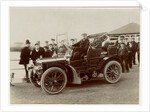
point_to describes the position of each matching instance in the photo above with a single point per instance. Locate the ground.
(126, 91)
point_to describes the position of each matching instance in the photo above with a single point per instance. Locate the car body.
(53, 74)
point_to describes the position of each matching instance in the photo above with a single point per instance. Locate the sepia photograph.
(74, 55)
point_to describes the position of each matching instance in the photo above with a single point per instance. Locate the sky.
(44, 23)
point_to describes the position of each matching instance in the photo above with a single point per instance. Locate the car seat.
(92, 52)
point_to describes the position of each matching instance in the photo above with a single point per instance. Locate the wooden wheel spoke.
(60, 78)
(109, 69)
(48, 85)
(59, 75)
(112, 72)
(53, 80)
(58, 85)
(48, 79)
(55, 74)
(108, 72)
(52, 74)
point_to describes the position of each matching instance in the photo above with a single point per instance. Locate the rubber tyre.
(49, 71)
(119, 71)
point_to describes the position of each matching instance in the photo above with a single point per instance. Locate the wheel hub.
(55, 81)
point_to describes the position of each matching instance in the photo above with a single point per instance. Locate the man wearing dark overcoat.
(24, 58)
(134, 45)
(138, 48)
(130, 51)
(80, 48)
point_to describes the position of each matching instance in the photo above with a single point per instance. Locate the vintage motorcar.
(53, 74)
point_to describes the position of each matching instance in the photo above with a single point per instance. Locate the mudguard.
(104, 61)
(75, 76)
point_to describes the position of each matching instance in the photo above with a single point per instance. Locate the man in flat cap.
(46, 43)
(70, 47)
(138, 48)
(24, 58)
(80, 48)
(127, 40)
(53, 41)
(120, 41)
(55, 51)
(47, 53)
(72, 41)
(123, 54)
(51, 49)
(134, 45)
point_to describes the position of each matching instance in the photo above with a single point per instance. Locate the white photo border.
(144, 67)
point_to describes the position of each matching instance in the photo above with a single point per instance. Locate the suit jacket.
(134, 45)
(48, 53)
(123, 51)
(138, 47)
(25, 55)
(36, 54)
(97, 43)
(42, 51)
(82, 46)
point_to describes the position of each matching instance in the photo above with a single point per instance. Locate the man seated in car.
(99, 44)
(80, 48)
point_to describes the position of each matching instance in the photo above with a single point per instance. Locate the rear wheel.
(53, 80)
(112, 72)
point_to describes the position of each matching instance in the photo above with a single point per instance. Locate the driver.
(80, 48)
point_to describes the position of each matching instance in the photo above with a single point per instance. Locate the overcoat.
(36, 54)
(82, 46)
(48, 54)
(25, 55)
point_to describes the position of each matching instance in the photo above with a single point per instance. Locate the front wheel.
(53, 80)
(112, 72)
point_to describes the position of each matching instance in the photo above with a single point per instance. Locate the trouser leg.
(139, 57)
(130, 60)
(126, 63)
(134, 57)
(122, 64)
(26, 71)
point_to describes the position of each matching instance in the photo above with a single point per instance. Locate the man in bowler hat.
(24, 58)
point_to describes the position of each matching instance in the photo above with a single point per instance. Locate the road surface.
(126, 91)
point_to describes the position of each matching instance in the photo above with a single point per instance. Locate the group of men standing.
(127, 51)
(38, 52)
